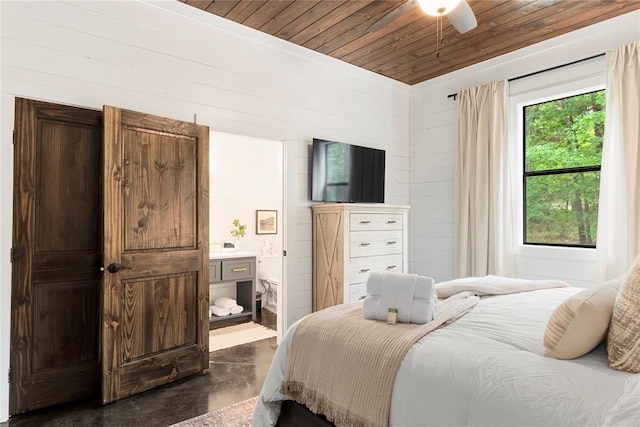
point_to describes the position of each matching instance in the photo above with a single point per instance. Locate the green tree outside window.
(563, 151)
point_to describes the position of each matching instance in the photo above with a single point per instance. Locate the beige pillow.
(580, 323)
(624, 334)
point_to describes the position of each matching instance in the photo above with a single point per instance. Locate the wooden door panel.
(161, 191)
(160, 314)
(329, 264)
(139, 264)
(65, 334)
(156, 293)
(82, 266)
(63, 148)
(161, 369)
(54, 355)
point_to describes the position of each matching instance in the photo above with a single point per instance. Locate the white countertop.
(225, 255)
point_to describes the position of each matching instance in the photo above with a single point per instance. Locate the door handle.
(115, 267)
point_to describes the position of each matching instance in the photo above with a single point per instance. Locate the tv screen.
(347, 173)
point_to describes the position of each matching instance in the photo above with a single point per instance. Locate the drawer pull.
(365, 244)
(391, 243)
(392, 221)
(364, 270)
(362, 297)
(237, 270)
(391, 267)
(365, 222)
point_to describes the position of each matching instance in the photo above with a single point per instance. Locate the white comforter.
(487, 369)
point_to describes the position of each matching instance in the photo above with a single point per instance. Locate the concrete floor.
(235, 374)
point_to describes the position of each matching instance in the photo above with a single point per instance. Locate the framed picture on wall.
(266, 222)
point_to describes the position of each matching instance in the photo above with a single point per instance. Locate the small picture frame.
(266, 222)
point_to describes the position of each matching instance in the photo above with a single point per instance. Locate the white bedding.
(487, 369)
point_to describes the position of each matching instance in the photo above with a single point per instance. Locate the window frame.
(559, 171)
(557, 84)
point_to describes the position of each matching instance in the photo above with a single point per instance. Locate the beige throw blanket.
(344, 366)
(494, 285)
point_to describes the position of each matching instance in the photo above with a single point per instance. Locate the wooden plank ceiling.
(397, 39)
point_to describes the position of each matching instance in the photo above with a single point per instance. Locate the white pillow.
(581, 322)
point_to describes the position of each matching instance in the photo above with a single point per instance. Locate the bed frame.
(293, 414)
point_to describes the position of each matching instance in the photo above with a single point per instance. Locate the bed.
(487, 368)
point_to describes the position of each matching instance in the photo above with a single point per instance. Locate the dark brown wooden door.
(156, 292)
(55, 285)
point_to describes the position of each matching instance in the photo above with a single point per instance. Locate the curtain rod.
(454, 95)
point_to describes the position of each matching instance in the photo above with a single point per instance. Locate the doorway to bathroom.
(246, 221)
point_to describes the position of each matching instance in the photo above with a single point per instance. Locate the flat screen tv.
(345, 173)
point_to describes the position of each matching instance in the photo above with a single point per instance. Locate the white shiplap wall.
(433, 138)
(169, 59)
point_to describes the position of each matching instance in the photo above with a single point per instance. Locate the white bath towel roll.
(413, 296)
(225, 302)
(219, 311)
(370, 307)
(397, 292)
(374, 283)
(237, 309)
(425, 303)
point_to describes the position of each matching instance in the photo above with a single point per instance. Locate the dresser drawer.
(375, 221)
(359, 268)
(370, 243)
(237, 270)
(215, 271)
(357, 292)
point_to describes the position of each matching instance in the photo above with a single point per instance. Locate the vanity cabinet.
(349, 242)
(239, 268)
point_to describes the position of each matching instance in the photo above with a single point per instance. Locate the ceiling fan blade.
(462, 17)
(392, 16)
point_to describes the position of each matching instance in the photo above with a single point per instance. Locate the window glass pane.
(562, 208)
(564, 133)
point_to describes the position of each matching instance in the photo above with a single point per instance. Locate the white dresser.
(350, 241)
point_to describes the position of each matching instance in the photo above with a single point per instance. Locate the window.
(561, 174)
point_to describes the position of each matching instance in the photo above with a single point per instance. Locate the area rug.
(243, 333)
(236, 415)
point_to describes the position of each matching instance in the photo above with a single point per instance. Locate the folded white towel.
(219, 311)
(425, 303)
(374, 282)
(237, 309)
(397, 292)
(225, 302)
(412, 295)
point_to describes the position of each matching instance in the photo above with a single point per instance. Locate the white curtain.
(619, 207)
(483, 203)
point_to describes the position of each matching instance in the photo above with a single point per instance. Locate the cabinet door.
(328, 237)
(215, 271)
